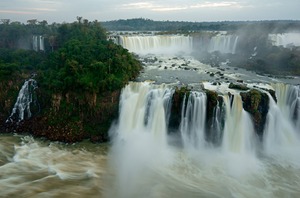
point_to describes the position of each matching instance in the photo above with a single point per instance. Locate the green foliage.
(78, 81)
(141, 24)
(12, 62)
(88, 62)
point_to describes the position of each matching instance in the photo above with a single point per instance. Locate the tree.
(5, 21)
(43, 23)
(32, 21)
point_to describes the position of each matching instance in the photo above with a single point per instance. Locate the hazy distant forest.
(141, 24)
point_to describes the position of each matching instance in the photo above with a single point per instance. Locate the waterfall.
(35, 43)
(42, 46)
(192, 125)
(216, 127)
(140, 136)
(288, 99)
(281, 135)
(285, 39)
(144, 109)
(223, 43)
(239, 135)
(38, 43)
(164, 44)
(21, 109)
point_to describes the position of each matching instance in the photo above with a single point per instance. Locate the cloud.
(42, 9)
(232, 4)
(188, 10)
(139, 5)
(17, 12)
(164, 9)
(152, 6)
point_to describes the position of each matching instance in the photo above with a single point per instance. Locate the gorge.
(191, 124)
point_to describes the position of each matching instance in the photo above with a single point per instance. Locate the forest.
(79, 73)
(142, 24)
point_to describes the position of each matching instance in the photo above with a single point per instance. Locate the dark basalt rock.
(257, 104)
(177, 103)
(213, 99)
(242, 87)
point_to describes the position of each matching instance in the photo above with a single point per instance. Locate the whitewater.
(146, 158)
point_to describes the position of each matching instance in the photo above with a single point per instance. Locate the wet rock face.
(213, 99)
(239, 86)
(177, 103)
(72, 119)
(257, 104)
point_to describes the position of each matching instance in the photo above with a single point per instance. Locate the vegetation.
(141, 24)
(80, 74)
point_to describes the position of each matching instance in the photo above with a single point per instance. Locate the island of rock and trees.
(80, 72)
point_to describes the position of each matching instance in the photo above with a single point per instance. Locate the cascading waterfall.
(165, 44)
(216, 127)
(281, 135)
(140, 137)
(21, 109)
(144, 109)
(288, 97)
(223, 43)
(239, 135)
(192, 125)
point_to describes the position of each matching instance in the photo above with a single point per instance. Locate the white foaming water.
(223, 43)
(144, 109)
(142, 167)
(159, 44)
(140, 137)
(33, 168)
(239, 135)
(239, 140)
(193, 119)
(285, 39)
(282, 131)
(288, 98)
(143, 162)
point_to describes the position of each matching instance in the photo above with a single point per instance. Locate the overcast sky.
(178, 10)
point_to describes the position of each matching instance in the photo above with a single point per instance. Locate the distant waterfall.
(164, 44)
(38, 43)
(285, 39)
(239, 134)
(223, 43)
(21, 109)
(35, 43)
(192, 125)
(42, 46)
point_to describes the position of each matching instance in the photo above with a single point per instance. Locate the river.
(145, 160)
(37, 168)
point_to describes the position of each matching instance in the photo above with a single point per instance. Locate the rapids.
(146, 159)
